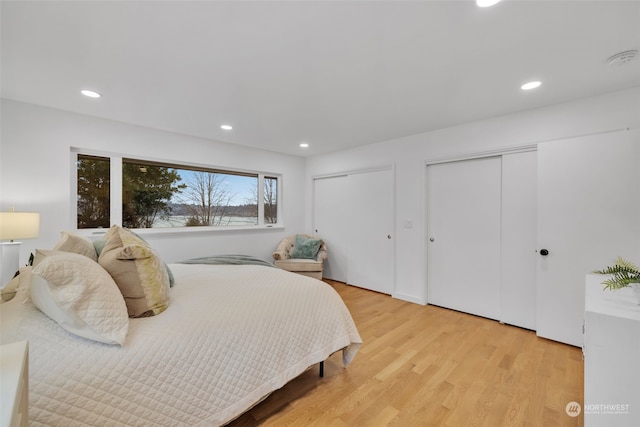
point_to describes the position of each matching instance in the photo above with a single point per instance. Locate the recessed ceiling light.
(304, 145)
(486, 3)
(226, 127)
(90, 93)
(530, 85)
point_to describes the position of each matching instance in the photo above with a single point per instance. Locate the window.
(93, 191)
(270, 200)
(164, 195)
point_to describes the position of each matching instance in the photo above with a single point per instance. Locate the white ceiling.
(335, 74)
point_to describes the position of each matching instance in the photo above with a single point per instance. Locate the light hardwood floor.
(430, 366)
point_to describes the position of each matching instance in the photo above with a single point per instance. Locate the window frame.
(115, 195)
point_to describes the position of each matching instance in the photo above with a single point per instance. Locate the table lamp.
(15, 225)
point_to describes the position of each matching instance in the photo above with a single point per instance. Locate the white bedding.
(231, 335)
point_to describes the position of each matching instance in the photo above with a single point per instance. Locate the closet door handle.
(544, 252)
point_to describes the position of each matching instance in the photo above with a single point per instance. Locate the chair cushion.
(305, 247)
(300, 265)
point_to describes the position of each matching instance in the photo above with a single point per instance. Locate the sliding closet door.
(370, 231)
(463, 223)
(331, 222)
(518, 240)
(353, 213)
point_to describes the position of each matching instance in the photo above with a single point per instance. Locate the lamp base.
(9, 261)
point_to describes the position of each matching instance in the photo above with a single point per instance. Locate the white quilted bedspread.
(231, 335)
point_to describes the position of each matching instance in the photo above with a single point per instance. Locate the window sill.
(183, 231)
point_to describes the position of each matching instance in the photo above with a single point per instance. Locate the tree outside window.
(146, 193)
(270, 200)
(211, 199)
(94, 187)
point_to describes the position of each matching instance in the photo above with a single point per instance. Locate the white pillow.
(81, 297)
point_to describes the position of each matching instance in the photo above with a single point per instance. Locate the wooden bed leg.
(322, 369)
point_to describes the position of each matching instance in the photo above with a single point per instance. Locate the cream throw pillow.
(80, 296)
(41, 254)
(10, 289)
(70, 242)
(137, 270)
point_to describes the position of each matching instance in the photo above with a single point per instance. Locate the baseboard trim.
(409, 298)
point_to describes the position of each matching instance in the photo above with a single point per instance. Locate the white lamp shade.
(19, 225)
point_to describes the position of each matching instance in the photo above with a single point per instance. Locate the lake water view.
(226, 221)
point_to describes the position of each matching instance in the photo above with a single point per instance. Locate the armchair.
(311, 267)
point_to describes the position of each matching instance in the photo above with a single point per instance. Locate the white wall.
(410, 154)
(35, 173)
(35, 170)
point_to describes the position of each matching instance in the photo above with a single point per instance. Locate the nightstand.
(14, 370)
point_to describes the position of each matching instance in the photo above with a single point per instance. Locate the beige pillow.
(70, 242)
(10, 289)
(41, 254)
(80, 296)
(137, 270)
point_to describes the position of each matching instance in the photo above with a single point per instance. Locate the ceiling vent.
(622, 58)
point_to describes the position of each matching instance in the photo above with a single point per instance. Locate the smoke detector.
(622, 58)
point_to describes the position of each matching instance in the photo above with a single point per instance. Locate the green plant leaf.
(623, 273)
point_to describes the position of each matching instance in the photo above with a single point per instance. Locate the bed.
(230, 336)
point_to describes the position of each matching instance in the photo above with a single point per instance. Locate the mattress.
(232, 334)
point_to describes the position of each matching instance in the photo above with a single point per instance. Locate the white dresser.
(611, 356)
